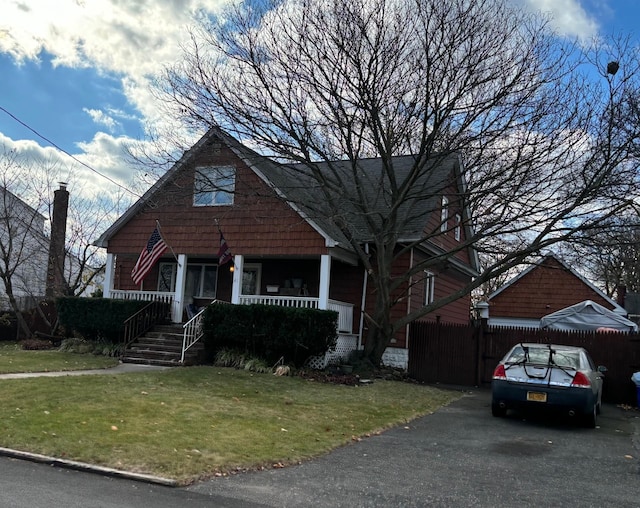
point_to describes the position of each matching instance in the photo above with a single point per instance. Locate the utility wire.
(67, 153)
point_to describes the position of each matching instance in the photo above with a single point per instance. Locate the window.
(200, 279)
(167, 277)
(251, 276)
(457, 231)
(444, 214)
(429, 287)
(214, 186)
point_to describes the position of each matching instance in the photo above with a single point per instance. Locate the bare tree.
(536, 120)
(23, 250)
(611, 255)
(88, 217)
(26, 211)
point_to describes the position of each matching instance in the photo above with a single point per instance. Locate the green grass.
(193, 422)
(14, 359)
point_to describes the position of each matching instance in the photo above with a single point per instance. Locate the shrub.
(269, 332)
(8, 326)
(96, 318)
(240, 360)
(83, 346)
(36, 344)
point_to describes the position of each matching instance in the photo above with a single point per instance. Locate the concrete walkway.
(121, 368)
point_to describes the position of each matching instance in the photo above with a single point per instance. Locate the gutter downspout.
(363, 301)
(406, 331)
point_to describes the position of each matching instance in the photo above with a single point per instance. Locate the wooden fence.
(467, 355)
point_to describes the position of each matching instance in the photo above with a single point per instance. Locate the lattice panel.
(344, 346)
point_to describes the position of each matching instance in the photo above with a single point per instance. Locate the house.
(544, 287)
(288, 248)
(25, 250)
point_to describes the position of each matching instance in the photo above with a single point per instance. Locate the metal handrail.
(192, 330)
(143, 320)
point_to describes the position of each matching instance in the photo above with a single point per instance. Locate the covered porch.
(289, 283)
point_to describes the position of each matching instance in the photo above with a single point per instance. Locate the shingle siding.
(258, 222)
(546, 288)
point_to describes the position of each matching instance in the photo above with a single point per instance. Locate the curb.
(88, 468)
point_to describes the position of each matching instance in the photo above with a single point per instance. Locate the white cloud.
(107, 169)
(101, 118)
(568, 17)
(132, 38)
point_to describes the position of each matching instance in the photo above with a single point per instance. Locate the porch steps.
(162, 345)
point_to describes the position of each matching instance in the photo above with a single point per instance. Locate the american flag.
(148, 257)
(224, 253)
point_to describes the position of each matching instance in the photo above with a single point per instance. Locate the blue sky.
(77, 71)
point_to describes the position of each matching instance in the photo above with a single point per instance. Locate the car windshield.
(540, 355)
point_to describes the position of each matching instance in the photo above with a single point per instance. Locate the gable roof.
(552, 261)
(294, 184)
(300, 187)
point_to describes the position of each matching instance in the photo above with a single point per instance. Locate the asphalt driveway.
(462, 456)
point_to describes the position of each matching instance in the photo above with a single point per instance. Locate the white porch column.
(236, 288)
(325, 278)
(109, 273)
(178, 299)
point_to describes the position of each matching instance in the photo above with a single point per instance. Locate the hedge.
(269, 332)
(96, 318)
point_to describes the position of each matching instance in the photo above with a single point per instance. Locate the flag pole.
(170, 248)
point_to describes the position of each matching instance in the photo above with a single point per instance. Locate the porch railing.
(140, 322)
(344, 310)
(149, 296)
(345, 315)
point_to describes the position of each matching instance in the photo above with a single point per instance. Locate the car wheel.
(590, 418)
(498, 411)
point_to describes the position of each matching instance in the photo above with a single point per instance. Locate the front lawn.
(193, 422)
(14, 359)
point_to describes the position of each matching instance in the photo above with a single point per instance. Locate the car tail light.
(581, 381)
(499, 373)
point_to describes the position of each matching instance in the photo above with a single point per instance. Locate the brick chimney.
(622, 293)
(55, 268)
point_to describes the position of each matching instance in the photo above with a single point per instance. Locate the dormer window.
(444, 214)
(214, 186)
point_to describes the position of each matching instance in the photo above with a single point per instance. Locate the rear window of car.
(544, 356)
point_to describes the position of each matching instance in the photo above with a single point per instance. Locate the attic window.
(214, 186)
(444, 214)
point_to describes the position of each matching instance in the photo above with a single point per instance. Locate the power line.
(67, 153)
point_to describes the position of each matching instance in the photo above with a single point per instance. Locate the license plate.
(537, 396)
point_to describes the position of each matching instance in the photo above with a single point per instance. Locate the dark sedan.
(548, 377)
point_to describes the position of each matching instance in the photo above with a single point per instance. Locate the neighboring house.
(285, 253)
(25, 250)
(543, 288)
